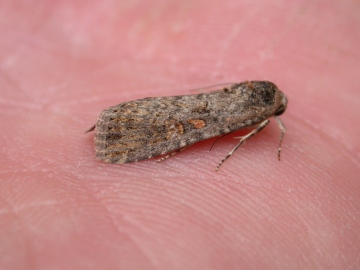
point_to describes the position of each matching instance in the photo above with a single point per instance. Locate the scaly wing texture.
(149, 127)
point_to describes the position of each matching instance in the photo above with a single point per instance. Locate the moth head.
(281, 109)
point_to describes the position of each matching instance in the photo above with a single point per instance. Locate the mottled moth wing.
(145, 128)
(150, 127)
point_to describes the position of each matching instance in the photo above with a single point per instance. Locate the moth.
(146, 128)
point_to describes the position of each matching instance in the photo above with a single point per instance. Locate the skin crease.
(62, 62)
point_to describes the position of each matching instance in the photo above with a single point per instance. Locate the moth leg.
(260, 127)
(172, 154)
(283, 129)
(240, 137)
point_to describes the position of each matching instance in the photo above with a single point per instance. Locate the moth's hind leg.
(172, 154)
(243, 139)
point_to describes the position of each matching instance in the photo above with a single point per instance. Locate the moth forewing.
(149, 127)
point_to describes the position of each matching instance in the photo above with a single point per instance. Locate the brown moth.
(149, 127)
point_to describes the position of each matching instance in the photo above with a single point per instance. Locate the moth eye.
(282, 107)
(280, 110)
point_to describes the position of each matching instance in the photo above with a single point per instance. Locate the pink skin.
(62, 62)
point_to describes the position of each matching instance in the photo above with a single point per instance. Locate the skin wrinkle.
(26, 235)
(228, 203)
(137, 242)
(100, 203)
(149, 233)
(192, 206)
(114, 223)
(324, 134)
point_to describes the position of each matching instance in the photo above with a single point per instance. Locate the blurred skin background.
(62, 62)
